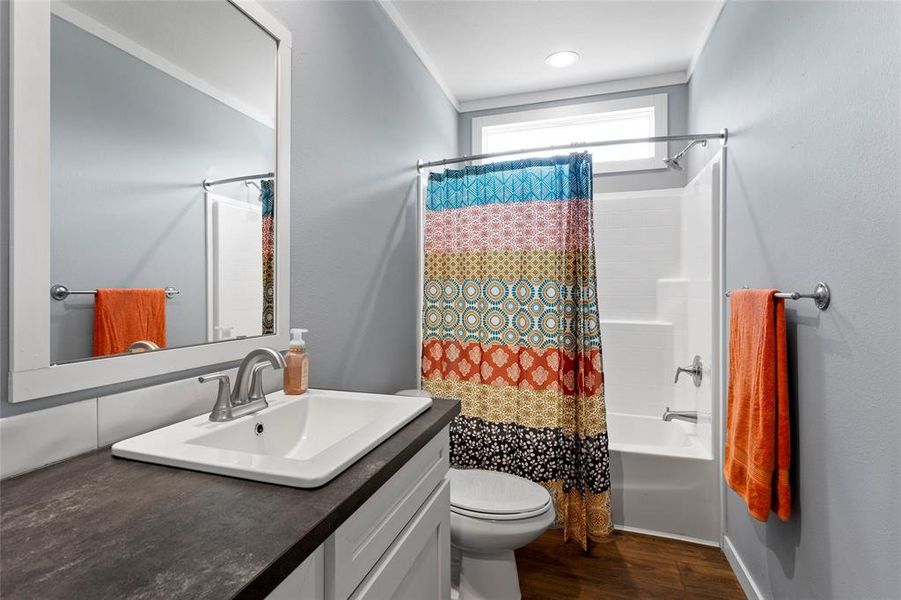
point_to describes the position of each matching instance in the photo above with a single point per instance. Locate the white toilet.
(492, 514)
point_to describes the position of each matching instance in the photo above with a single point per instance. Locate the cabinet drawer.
(358, 544)
(417, 565)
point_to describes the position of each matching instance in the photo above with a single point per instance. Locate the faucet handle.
(256, 382)
(696, 370)
(214, 377)
(222, 410)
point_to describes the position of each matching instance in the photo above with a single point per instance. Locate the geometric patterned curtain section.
(511, 328)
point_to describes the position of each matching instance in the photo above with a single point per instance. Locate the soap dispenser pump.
(297, 363)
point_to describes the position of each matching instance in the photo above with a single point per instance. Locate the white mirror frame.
(31, 374)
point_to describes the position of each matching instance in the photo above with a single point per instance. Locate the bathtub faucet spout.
(680, 415)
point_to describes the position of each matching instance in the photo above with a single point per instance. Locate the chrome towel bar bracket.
(821, 296)
(61, 292)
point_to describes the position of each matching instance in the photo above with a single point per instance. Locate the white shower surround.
(658, 285)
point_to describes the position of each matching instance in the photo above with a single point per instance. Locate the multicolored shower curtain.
(267, 199)
(510, 328)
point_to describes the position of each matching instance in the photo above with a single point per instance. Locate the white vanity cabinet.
(396, 545)
(305, 582)
(417, 564)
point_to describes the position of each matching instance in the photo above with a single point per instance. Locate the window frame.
(659, 102)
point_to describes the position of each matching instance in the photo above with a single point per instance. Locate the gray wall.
(129, 146)
(677, 118)
(4, 204)
(810, 93)
(364, 110)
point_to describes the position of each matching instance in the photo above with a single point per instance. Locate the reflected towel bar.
(61, 292)
(821, 295)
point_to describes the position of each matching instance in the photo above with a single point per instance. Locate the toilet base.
(490, 576)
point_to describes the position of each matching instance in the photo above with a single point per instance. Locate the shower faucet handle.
(696, 370)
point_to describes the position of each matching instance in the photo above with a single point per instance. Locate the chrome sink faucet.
(247, 396)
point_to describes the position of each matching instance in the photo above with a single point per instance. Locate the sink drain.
(258, 429)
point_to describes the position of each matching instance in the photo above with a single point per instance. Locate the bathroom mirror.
(149, 189)
(140, 115)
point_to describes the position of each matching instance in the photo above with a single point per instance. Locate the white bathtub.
(652, 435)
(663, 477)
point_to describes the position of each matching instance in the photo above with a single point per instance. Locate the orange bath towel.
(758, 448)
(125, 316)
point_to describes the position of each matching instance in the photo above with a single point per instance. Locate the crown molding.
(708, 29)
(417, 47)
(90, 25)
(578, 91)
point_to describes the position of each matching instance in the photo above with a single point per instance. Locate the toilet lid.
(494, 493)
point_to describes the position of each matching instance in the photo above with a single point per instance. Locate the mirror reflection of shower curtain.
(267, 199)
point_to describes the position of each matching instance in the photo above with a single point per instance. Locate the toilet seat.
(496, 496)
(473, 514)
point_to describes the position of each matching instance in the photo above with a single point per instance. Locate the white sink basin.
(305, 441)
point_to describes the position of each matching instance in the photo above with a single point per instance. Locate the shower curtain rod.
(722, 135)
(207, 184)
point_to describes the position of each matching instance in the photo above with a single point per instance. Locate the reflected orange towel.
(758, 448)
(125, 316)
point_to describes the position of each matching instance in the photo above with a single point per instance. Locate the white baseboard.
(748, 585)
(663, 534)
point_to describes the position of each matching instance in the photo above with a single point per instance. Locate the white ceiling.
(212, 43)
(489, 48)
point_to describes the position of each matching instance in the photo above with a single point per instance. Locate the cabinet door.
(417, 565)
(363, 539)
(304, 583)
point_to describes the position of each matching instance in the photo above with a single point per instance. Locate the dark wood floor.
(629, 565)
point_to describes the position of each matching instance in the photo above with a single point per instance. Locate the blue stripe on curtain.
(525, 180)
(267, 197)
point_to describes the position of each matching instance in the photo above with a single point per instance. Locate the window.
(639, 117)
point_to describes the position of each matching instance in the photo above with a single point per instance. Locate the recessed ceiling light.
(562, 59)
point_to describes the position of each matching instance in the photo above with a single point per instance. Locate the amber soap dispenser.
(297, 372)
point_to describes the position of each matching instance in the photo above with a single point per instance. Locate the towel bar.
(61, 292)
(821, 295)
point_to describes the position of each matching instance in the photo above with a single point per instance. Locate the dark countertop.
(99, 527)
